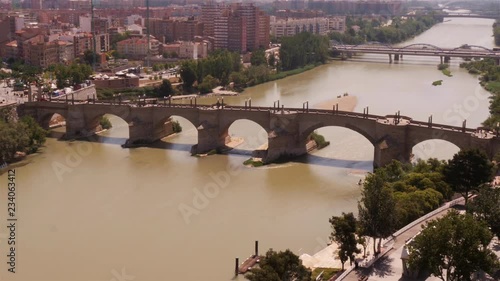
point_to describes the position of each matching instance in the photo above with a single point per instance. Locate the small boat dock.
(249, 263)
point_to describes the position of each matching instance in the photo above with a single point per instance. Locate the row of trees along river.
(395, 31)
(489, 78)
(18, 137)
(397, 194)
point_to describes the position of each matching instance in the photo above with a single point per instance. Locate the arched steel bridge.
(418, 49)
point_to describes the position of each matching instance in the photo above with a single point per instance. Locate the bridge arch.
(250, 134)
(118, 133)
(346, 146)
(422, 46)
(171, 124)
(308, 131)
(46, 117)
(375, 43)
(474, 46)
(439, 148)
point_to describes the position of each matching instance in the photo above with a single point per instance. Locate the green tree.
(165, 89)
(280, 266)
(486, 207)
(376, 213)
(12, 139)
(88, 57)
(455, 242)
(35, 133)
(188, 74)
(71, 75)
(303, 49)
(343, 233)
(23, 136)
(105, 123)
(272, 60)
(258, 57)
(238, 78)
(467, 171)
(208, 84)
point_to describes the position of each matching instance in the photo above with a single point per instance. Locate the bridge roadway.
(460, 15)
(445, 54)
(288, 129)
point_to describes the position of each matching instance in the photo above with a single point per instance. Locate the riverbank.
(489, 79)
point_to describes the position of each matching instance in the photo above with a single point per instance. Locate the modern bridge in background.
(419, 49)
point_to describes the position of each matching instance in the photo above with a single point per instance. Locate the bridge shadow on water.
(334, 162)
(316, 160)
(243, 153)
(121, 141)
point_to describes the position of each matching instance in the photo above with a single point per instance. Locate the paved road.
(390, 266)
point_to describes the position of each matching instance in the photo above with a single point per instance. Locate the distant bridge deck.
(461, 15)
(464, 51)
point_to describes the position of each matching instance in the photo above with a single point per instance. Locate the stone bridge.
(288, 129)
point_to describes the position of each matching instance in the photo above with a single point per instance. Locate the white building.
(135, 19)
(290, 27)
(319, 25)
(188, 50)
(135, 29)
(85, 23)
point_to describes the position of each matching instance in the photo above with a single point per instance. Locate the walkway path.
(389, 266)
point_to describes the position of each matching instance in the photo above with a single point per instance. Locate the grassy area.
(283, 74)
(437, 83)
(444, 67)
(253, 163)
(320, 140)
(493, 86)
(447, 72)
(211, 152)
(327, 273)
(105, 123)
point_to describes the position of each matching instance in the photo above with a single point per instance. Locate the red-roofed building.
(137, 48)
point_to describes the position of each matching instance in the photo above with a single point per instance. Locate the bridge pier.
(390, 58)
(77, 125)
(210, 136)
(447, 59)
(284, 139)
(441, 59)
(284, 147)
(391, 148)
(396, 57)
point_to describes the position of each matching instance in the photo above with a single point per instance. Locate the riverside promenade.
(388, 265)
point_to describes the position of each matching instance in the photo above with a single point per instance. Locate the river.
(91, 210)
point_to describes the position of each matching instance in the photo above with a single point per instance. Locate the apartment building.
(236, 23)
(290, 27)
(39, 53)
(317, 25)
(209, 12)
(137, 48)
